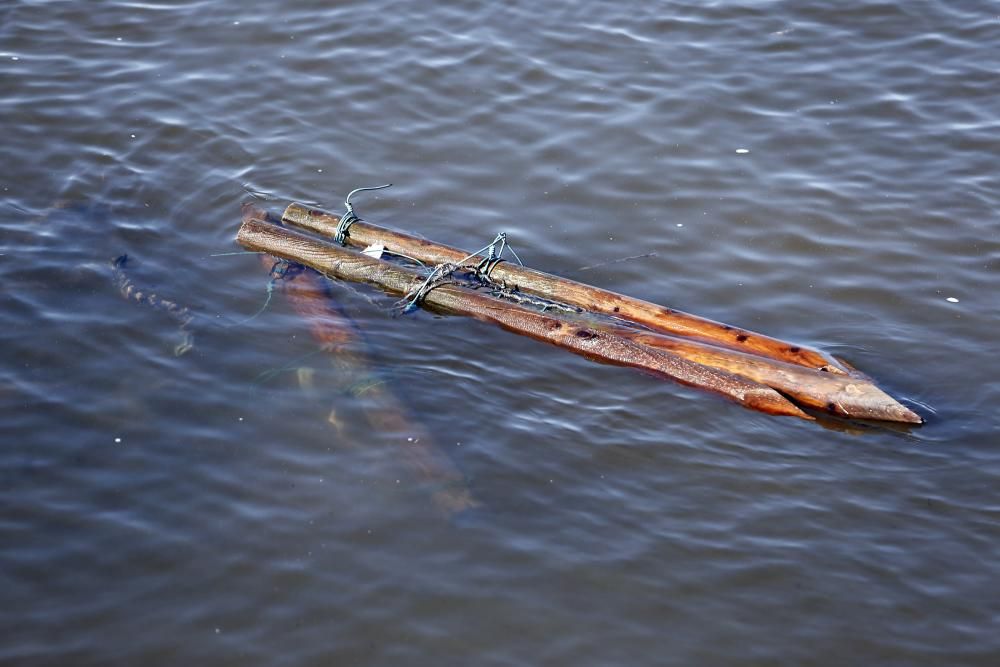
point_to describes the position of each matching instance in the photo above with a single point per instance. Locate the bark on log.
(339, 338)
(659, 318)
(849, 396)
(338, 262)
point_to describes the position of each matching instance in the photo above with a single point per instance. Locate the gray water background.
(819, 171)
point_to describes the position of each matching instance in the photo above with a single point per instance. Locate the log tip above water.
(864, 400)
(888, 409)
(898, 412)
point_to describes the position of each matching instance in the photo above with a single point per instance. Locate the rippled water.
(824, 174)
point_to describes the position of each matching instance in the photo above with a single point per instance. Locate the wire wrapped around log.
(851, 396)
(594, 299)
(256, 234)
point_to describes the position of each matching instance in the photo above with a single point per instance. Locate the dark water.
(821, 173)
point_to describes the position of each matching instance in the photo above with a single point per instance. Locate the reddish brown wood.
(593, 299)
(337, 335)
(332, 260)
(850, 396)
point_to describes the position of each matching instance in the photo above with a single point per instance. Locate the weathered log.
(338, 262)
(851, 396)
(337, 335)
(593, 299)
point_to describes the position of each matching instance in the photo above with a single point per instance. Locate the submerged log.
(593, 299)
(339, 338)
(257, 234)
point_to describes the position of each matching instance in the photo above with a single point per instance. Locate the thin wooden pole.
(594, 299)
(332, 260)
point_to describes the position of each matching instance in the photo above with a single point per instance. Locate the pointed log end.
(901, 413)
(771, 402)
(864, 400)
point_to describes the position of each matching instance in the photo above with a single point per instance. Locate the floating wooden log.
(593, 299)
(257, 234)
(852, 396)
(337, 335)
(842, 391)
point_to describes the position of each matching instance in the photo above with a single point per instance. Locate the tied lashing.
(443, 274)
(350, 217)
(515, 295)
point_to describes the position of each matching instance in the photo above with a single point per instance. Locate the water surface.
(821, 175)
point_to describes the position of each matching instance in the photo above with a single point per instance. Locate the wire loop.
(350, 217)
(442, 273)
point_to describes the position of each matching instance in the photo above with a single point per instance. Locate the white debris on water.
(118, 439)
(951, 299)
(742, 151)
(680, 224)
